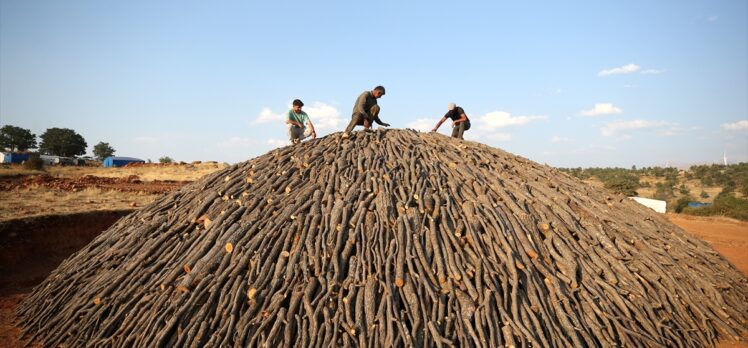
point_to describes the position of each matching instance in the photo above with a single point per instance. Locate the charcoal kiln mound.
(390, 238)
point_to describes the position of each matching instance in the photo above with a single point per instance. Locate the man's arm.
(378, 121)
(297, 124)
(292, 122)
(462, 118)
(311, 126)
(439, 124)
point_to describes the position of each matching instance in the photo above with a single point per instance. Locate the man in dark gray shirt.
(366, 111)
(460, 121)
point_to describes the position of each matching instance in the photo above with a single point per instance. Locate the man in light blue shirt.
(297, 122)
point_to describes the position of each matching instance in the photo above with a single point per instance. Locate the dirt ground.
(727, 236)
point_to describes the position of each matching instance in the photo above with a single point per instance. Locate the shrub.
(165, 159)
(704, 194)
(684, 190)
(682, 203)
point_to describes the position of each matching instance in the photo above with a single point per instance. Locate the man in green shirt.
(297, 122)
(366, 111)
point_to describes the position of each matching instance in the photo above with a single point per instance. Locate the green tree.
(102, 150)
(62, 142)
(165, 159)
(16, 138)
(664, 192)
(624, 184)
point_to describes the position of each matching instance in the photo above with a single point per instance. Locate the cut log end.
(251, 293)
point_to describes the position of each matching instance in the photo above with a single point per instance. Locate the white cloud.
(558, 139)
(614, 127)
(422, 124)
(625, 137)
(323, 116)
(626, 69)
(500, 137)
(712, 18)
(673, 131)
(602, 109)
(238, 143)
(277, 142)
(651, 72)
(267, 115)
(740, 125)
(499, 119)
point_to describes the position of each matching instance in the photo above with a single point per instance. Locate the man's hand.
(314, 135)
(433, 130)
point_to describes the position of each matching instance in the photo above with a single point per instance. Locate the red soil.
(131, 183)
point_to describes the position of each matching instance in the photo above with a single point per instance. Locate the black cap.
(379, 88)
(297, 102)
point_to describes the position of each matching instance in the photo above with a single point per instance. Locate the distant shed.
(50, 160)
(14, 157)
(112, 161)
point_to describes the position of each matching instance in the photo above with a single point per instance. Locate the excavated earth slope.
(390, 238)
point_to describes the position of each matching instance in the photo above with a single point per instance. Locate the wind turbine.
(724, 157)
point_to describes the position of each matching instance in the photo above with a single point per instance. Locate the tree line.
(730, 201)
(62, 142)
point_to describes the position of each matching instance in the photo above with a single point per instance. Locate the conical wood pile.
(390, 238)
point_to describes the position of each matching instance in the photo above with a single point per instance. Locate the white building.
(654, 204)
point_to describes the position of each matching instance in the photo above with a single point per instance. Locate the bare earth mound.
(390, 238)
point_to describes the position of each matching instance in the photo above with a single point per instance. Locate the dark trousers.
(459, 129)
(363, 120)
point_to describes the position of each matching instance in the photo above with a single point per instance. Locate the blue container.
(112, 161)
(12, 157)
(698, 204)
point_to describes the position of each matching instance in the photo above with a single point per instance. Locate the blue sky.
(583, 83)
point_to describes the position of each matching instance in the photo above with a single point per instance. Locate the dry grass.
(13, 170)
(37, 201)
(185, 172)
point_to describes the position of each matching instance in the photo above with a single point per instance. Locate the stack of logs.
(390, 238)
